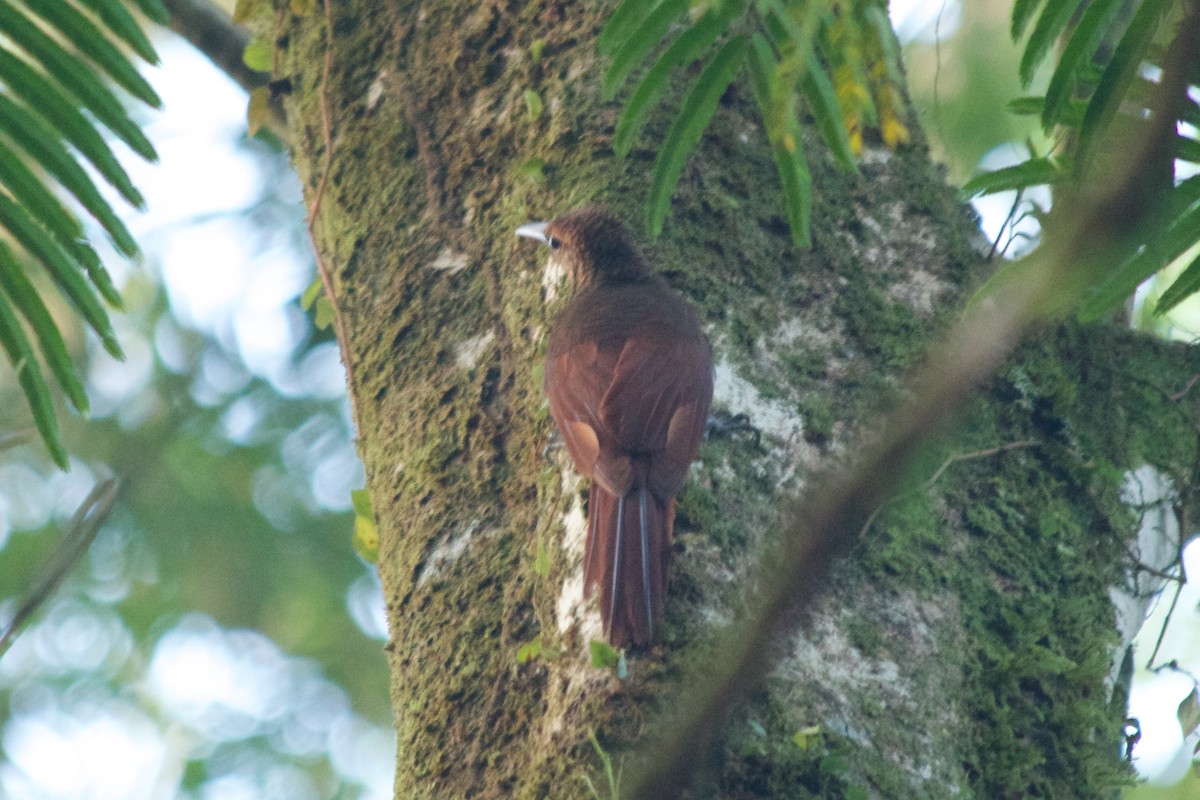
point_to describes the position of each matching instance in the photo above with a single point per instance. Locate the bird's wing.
(657, 403)
(576, 381)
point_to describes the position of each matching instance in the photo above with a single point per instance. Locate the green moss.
(1032, 561)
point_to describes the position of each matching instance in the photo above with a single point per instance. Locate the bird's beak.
(533, 230)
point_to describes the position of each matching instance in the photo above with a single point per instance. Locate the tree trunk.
(966, 647)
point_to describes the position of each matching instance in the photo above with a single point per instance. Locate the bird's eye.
(554, 243)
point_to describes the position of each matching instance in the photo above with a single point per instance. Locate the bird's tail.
(627, 555)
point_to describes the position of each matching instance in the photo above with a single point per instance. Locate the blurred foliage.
(1102, 90)
(55, 63)
(224, 514)
(961, 76)
(837, 59)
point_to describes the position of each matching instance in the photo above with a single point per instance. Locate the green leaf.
(886, 36)
(697, 109)
(259, 54)
(40, 142)
(1052, 22)
(1094, 23)
(154, 10)
(1114, 82)
(1027, 106)
(243, 10)
(533, 103)
(1183, 287)
(311, 293)
(806, 737)
(541, 562)
(31, 192)
(29, 374)
(533, 169)
(118, 19)
(1188, 713)
(44, 98)
(1111, 292)
(1187, 149)
(324, 316)
(65, 272)
(75, 77)
(1034, 172)
(54, 350)
(763, 79)
(790, 163)
(360, 500)
(638, 44)
(603, 655)
(815, 84)
(99, 276)
(1184, 196)
(1023, 11)
(622, 23)
(530, 650)
(92, 43)
(366, 531)
(258, 110)
(686, 48)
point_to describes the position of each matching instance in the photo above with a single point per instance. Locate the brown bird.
(629, 379)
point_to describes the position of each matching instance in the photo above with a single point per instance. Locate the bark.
(967, 646)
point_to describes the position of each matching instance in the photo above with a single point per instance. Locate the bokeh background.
(221, 638)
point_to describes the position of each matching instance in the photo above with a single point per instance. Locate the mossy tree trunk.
(964, 649)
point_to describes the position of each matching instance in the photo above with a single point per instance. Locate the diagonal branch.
(211, 31)
(819, 528)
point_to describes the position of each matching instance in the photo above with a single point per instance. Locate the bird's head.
(591, 245)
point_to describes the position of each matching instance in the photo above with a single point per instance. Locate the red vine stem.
(314, 209)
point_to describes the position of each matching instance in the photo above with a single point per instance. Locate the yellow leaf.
(856, 141)
(366, 539)
(805, 737)
(894, 132)
(242, 11)
(259, 111)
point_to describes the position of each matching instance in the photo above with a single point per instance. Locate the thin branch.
(1182, 393)
(90, 515)
(820, 527)
(932, 479)
(212, 32)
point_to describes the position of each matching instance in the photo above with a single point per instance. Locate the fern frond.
(50, 84)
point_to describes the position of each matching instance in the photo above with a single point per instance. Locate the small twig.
(937, 473)
(1181, 582)
(991, 451)
(1162, 632)
(1008, 220)
(1173, 666)
(82, 531)
(1182, 393)
(15, 439)
(1157, 573)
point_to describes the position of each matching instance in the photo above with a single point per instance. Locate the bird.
(629, 380)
